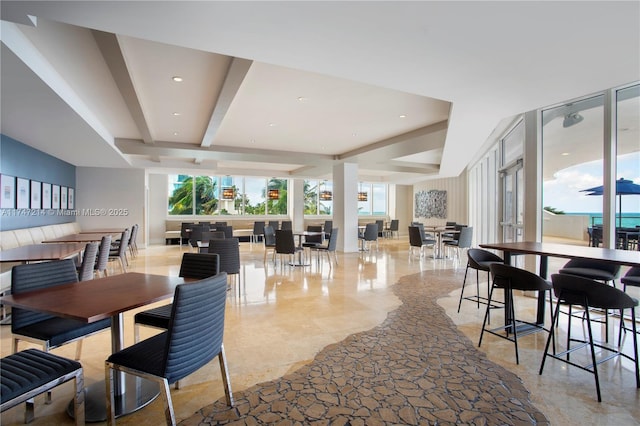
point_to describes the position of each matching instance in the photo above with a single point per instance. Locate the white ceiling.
(293, 88)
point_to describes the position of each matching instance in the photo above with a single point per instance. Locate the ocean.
(629, 220)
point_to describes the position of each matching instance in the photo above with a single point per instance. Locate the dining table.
(567, 251)
(94, 300)
(79, 238)
(301, 234)
(439, 232)
(41, 252)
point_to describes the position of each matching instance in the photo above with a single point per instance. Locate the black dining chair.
(286, 225)
(416, 241)
(329, 248)
(328, 226)
(510, 278)
(258, 231)
(196, 234)
(185, 231)
(194, 266)
(269, 242)
(462, 241)
(118, 251)
(572, 290)
(370, 235)
(285, 244)
(229, 251)
(194, 338)
(311, 241)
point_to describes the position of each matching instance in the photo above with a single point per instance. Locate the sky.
(563, 193)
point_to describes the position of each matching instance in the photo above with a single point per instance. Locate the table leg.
(131, 392)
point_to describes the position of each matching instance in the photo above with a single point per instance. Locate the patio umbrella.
(623, 187)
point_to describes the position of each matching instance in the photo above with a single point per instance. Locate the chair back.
(415, 238)
(314, 238)
(196, 328)
(196, 234)
(284, 242)
(465, 237)
(258, 228)
(286, 225)
(507, 276)
(371, 232)
(333, 239)
(219, 224)
(183, 229)
(611, 269)
(480, 258)
(88, 261)
(576, 290)
(229, 251)
(103, 254)
(227, 230)
(205, 223)
(34, 276)
(134, 234)
(274, 224)
(211, 235)
(328, 226)
(269, 236)
(395, 225)
(199, 265)
(380, 224)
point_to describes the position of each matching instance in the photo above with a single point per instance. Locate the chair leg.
(593, 353)
(78, 350)
(111, 405)
(165, 392)
(462, 290)
(78, 398)
(226, 380)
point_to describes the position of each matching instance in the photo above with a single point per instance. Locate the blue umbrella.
(623, 187)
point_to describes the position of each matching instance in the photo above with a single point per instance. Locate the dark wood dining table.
(79, 238)
(41, 252)
(567, 251)
(93, 300)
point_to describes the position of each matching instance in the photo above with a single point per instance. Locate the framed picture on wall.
(55, 196)
(36, 194)
(22, 193)
(63, 197)
(70, 198)
(8, 196)
(46, 195)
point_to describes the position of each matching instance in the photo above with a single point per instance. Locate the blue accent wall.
(20, 160)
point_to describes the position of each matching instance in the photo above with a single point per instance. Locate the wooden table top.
(96, 299)
(104, 231)
(78, 238)
(621, 257)
(41, 252)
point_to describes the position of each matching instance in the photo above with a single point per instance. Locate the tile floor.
(279, 318)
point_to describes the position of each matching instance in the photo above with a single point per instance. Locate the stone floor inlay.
(416, 368)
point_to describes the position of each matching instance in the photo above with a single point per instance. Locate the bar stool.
(573, 290)
(510, 278)
(480, 260)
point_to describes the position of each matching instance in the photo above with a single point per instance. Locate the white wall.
(158, 190)
(111, 198)
(403, 207)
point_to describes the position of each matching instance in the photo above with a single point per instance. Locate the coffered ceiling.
(407, 90)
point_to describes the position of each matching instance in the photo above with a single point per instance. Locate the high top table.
(91, 301)
(567, 251)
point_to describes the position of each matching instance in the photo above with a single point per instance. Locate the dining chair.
(286, 225)
(285, 244)
(370, 235)
(258, 231)
(196, 234)
(509, 278)
(195, 266)
(329, 248)
(185, 228)
(228, 250)
(133, 246)
(328, 226)
(462, 241)
(86, 268)
(572, 290)
(311, 241)
(118, 251)
(417, 242)
(269, 242)
(380, 224)
(274, 224)
(194, 337)
(44, 329)
(103, 256)
(393, 229)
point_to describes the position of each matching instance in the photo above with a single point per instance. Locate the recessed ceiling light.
(354, 134)
(302, 98)
(253, 141)
(272, 124)
(177, 79)
(403, 116)
(176, 113)
(564, 154)
(175, 133)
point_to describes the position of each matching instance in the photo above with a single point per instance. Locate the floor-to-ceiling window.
(628, 154)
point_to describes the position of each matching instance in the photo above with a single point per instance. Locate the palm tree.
(181, 201)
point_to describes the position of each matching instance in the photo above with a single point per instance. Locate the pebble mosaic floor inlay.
(416, 368)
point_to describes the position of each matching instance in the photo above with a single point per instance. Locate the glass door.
(512, 204)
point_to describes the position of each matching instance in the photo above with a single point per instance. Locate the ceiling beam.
(233, 80)
(112, 54)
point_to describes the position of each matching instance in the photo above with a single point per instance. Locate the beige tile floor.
(280, 317)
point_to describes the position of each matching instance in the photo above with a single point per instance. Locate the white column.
(297, 206)
(345, 206)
